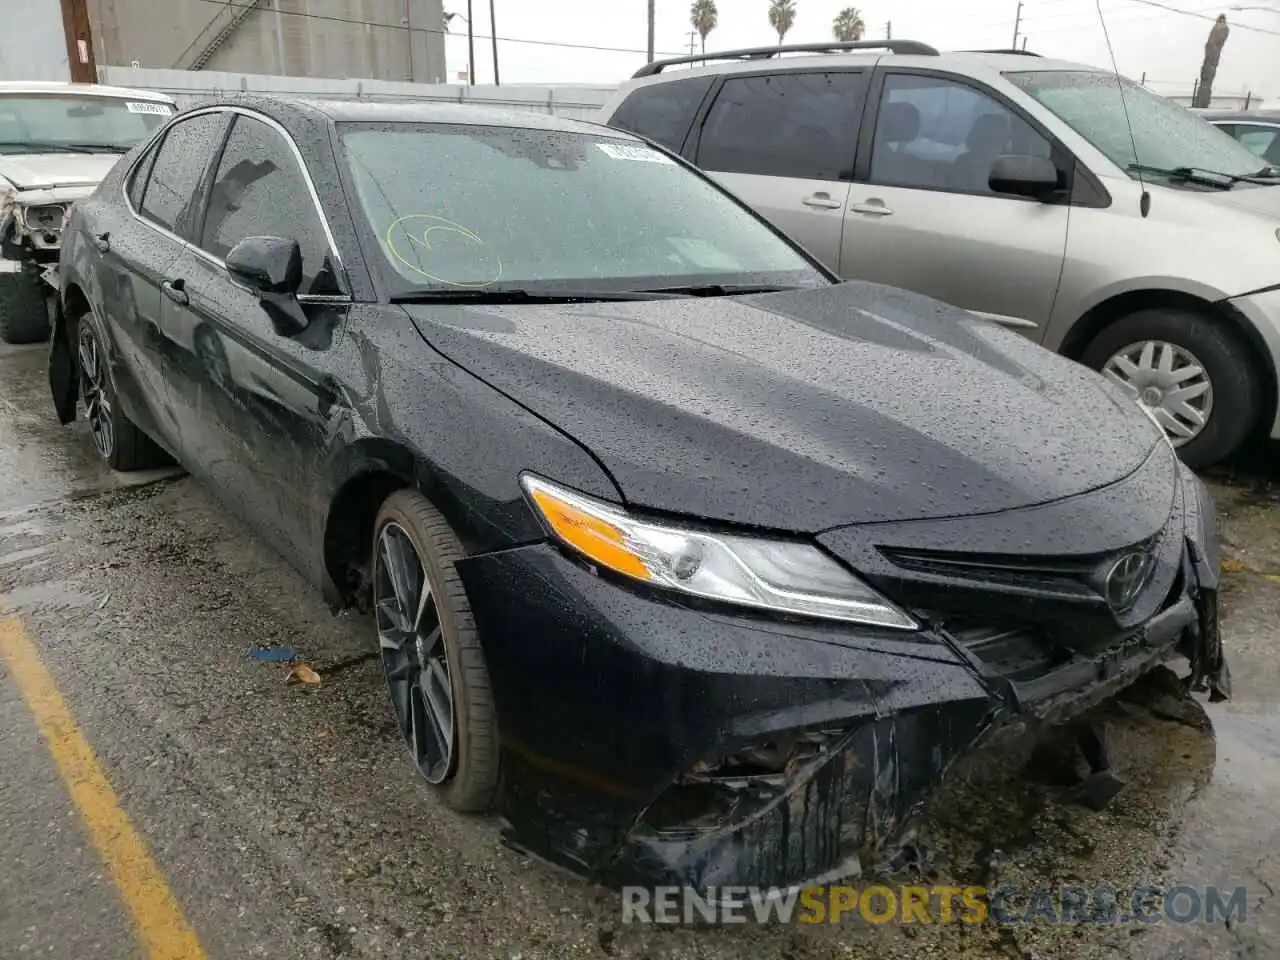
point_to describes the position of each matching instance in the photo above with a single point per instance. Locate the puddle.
(53, 595)
(18, 556)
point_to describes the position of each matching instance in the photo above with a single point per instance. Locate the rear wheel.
(24, 310)
(1191, 371)
(115, 437)
(435, 668)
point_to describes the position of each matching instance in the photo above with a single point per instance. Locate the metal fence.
(188, 86)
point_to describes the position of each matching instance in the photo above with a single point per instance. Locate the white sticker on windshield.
(629, 151)
(145, 106)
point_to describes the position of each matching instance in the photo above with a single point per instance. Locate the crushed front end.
(652, 740)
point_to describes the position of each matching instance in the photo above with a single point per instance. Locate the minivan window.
(176, 171)
(663, 112)
(480, 206)
(1259, 140)
(937, 134)
(1167, 135)
(796, 124)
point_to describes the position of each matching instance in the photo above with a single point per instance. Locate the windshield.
(1167, 135)
(485, 208)
(40, 124)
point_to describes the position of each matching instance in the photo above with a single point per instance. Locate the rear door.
(137, 251)
(784, 142)
(922, 216)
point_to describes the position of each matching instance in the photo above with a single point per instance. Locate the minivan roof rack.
(1010, 50)
(765, 53)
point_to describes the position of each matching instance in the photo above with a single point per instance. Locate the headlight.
(781, 575)
(46, 218)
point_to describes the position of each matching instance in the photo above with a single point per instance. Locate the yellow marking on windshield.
(418, 228)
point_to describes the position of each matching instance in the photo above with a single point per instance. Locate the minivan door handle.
(872, 208)
(176, 290)
(821, 200)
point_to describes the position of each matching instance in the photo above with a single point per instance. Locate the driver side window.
(260, 191)
(937, 134)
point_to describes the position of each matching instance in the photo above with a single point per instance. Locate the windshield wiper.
(722, 289)
(1209, 178)
(518, 295)
(98, 147)
(37, 146)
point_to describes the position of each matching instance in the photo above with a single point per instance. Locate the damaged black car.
(698, 565)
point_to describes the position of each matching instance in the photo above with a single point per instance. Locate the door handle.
(103, 242)
(176, 290)
(872, 208)
(822, 201)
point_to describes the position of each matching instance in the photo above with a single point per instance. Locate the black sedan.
(701, 566)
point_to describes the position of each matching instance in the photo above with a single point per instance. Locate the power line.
(1203, 16)
(402, 26)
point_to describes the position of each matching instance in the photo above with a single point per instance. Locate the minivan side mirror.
(266, 264)
(271, 267)
(1024, 175)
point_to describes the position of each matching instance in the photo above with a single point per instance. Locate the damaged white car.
(57, 142)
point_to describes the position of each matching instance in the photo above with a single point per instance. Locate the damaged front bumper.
(646, 741)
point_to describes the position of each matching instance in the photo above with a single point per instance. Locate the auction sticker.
(147, 106)
(628, 151)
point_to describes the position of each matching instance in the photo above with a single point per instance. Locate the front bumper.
(649, 741)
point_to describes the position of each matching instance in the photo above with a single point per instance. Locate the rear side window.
(802, 125)
(176, 171)
(663, 112)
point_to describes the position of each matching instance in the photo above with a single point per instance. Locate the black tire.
(472, 784)
(24, 309)
(1234, 376)
(128, 447)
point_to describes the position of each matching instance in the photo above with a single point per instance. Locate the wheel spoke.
(397, 631)
(1186, 373)
(437, 695)
(1182, 394)
(1165, 364)
(1120, 380)
(1188, 412)
(1172, 424)
(1146, 360)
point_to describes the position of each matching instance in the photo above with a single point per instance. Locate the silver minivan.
(1123, 231)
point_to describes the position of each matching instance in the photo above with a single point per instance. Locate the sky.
(1165, 45)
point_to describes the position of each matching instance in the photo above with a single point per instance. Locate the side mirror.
(271, 267)
(266, 265)
(1025, 175)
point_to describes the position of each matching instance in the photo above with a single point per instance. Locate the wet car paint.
(303, 434)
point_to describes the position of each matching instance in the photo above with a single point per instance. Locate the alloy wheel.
(1169, 381)
(415, 657)
(93, 391)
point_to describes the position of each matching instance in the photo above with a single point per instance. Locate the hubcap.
(414, 655)
(93, 379)
(1169, 381)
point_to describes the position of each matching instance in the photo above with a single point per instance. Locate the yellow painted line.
(162, 929)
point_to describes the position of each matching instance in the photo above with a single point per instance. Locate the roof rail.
(1009, 50)
(765, 53)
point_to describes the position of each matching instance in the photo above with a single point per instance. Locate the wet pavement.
(288, 821)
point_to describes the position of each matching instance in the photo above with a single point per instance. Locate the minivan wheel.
(115, 437)
(431, 655)
(1191, 371)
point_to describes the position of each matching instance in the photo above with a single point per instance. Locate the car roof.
(81, 90)
(1241, 115)
(368, 110)
(960, 61)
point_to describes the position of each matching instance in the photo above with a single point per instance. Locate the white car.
(57, 142)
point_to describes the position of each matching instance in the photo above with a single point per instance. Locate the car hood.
(804, 410)
(1264, 200)
(43, 171)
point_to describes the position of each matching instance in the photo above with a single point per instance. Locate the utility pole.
(1017, 22)
(471, 49)
(693, 36)
(493, 31)
(651, 16)
(1024, 41)
(75, 26)
(888, 30)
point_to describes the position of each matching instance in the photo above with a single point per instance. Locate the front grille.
(1015, 653)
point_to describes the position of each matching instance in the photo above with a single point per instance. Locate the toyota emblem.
(1124, 579)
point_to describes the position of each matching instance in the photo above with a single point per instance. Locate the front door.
(255, 404)
(784, 143)
(923, 216)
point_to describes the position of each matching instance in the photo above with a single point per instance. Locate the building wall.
(318, 38)
(33, 45)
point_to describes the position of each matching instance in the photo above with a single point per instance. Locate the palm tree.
(848, 25)
(703, 17)
(782, 17)
(1209, 66)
